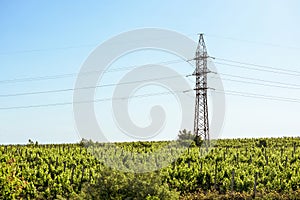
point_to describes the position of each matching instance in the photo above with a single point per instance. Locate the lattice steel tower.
(201, 124)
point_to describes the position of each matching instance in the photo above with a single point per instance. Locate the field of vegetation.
(232, 169)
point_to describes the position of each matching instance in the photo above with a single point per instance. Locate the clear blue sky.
(37, 39)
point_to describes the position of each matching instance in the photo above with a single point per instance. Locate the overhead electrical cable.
(258, 69)
(90, 87)
(67, 75)
(253, 42)
(260, 66)
(254, 95)
(93, 101)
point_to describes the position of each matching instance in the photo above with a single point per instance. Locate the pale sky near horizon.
(46, 38)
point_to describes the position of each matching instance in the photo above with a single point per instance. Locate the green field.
(231, 169)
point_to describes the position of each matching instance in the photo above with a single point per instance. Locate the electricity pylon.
(201, 124)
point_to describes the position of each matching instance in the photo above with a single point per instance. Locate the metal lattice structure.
(201, 124)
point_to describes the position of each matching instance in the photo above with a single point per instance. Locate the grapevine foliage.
(72, 171)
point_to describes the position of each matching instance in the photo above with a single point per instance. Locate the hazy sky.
(45, 38)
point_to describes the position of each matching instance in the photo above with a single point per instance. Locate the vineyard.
(230, 169)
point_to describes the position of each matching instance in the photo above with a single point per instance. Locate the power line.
(257, 65)
(95, 44)
(89, 87)
(46, 49)
(229, 92)
(257, 69)
(253, 42)
(283, 85)
(79, 46)
(267, 81)
(254, 83)
(287, 86)
(258, 96)
(254, 95)
(250, 66)
(94, 101)
(67, 75)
